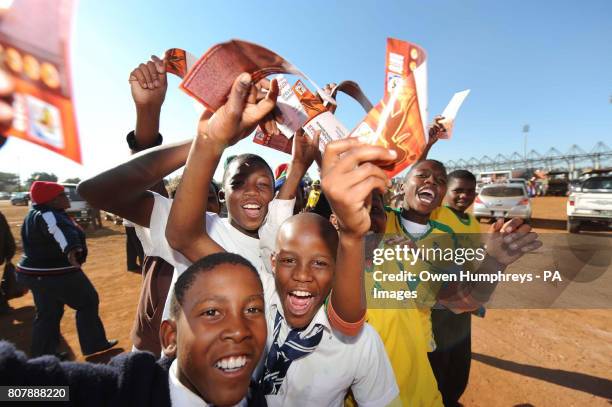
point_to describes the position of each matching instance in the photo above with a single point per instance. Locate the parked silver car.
(503, 201)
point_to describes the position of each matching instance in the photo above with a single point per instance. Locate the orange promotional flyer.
(397, 121)
(34, 50)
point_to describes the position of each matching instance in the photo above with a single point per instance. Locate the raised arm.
(303, 153)
(148, 85)
(123, 190)
(348, 178)
(436, 129)
(231, 123)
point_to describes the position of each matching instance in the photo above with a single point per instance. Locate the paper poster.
(396, 122)
(211, 78)
(404, 59)
(178, 61)
(34, 50)
(450, 112)
(297, 107)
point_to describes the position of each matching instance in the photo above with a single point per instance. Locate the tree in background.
(40, 176)
(72, 180)
(9, 182)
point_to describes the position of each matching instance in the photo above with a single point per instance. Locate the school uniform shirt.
(220, 230)
(181, 396)
(339, 363)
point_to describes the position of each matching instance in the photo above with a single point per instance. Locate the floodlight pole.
(525, 132)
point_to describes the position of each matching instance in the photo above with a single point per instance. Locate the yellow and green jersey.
(460, 226)
(405, 326)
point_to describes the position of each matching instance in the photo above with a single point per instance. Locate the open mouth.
(232, 364)
(300, 301)
(252, 210)
(426, 195)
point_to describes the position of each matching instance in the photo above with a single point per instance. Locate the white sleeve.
(375, 383)
(216, 230)
(153, 238)
(279, 210)
(166, 312)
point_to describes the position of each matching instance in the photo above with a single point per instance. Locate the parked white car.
(503, 201)
(590, 202)
(79, 209)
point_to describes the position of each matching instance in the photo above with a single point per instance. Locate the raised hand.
(436, 130)
(348, 178)
(238, 117)
(509, 241)
(305, 149)
(148, 83)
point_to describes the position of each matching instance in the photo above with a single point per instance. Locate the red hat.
(42, 191)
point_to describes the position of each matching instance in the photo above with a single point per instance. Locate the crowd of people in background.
(257, 287)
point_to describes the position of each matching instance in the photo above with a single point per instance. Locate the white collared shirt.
(181, 396)
(154, 240)
(323, 377)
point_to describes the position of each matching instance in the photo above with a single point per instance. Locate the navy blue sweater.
(130, 379)
(48, 235)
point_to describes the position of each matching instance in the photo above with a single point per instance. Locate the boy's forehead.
(465, 183)
(240, 167)
(305, 231)
(206, 282)
(432, 165)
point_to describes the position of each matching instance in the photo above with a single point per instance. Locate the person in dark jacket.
(54, 249)
(7, 251)
(211, 345)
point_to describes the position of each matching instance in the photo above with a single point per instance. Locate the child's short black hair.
(207, 263)
(438, 163)
(462, 174)
(253, 158)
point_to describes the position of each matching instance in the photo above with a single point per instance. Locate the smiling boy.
(216, 336)
(452, 331)
(308, 361)
(217, 333)
(406, 327)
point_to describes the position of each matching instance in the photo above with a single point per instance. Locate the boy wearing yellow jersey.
(403, 327)
(404, 324)
(452, 332)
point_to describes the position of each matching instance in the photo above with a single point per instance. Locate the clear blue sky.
(545, 63)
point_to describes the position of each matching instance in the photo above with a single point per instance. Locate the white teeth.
(301, 293)
(251, 206)
(232, 363)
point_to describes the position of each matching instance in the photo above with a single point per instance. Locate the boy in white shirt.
(228, 125)
(308, 361)
(238, 233)
(328, 362)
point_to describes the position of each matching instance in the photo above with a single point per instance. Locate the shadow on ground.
(596, 386)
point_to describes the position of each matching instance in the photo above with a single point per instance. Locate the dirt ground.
(526, 357)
